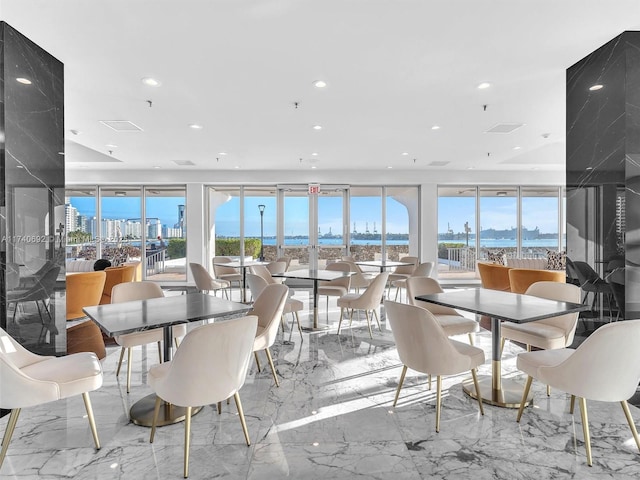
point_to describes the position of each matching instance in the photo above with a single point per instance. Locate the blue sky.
(164, 208)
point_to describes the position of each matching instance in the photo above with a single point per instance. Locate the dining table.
(242, 266)
(316, 276)
(139, 315)
(501, 306)
(382, 264)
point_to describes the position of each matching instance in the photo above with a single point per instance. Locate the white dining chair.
(423, 269)
(338, 287)
(292, 305)
(27, 380)
(369, 301)
(210, 366)
(205, 283)
(424, 346)
(604, 368)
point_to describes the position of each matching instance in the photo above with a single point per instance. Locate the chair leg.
(129, 361)
(375, 313)
(340, 321)
(187, 440)
(404, 372)
(295, 314)
(366, 314)
(156, 412)
(438, 401)
(92, 420)
(429, 377)
(548, 390)
(122, 349)
(159, 353)
(351, 318)
(255, 354)
(478, 394)
(502, 342)
(236, 397)
(632, 425)
(525, 394)
(273, 368)
(219, 407)
(572, 404)
(8, 433)
(470, 339)
(585, 429)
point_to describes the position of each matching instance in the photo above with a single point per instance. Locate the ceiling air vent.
(437, 163)
(121, 125)
(184, 163)
(504, 127)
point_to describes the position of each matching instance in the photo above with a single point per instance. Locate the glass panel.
(81, 226)
(296, 228)
(224, 224)
(121, 229)
(564, 219)
(539, 230)
(456, 232)
(260, 229)
(331, 237)
(165, 214)
(366, 217)
(401, 229)
(498, 221)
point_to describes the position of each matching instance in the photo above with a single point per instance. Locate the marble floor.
(331, 418)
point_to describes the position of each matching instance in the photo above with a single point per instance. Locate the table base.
(141, 412)
(509, 396)
(320, 328)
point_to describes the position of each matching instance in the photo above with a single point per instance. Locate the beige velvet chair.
(359, 279)
(257, 283)
(127, 292)
(268, 307)
(205, 283)
(210, 366)
(229, 274)
(27, 380)
(548, 333)
(604, 368)
(369, 301)
(403, 271)
(423, 346)
(423, 269)
(450, 320)
(276, 267)
(338, 287)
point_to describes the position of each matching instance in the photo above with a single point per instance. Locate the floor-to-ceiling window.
(260, 227)
(457, 234)
(165, 216)
(81, 225)
(540, 229)
(365, 214)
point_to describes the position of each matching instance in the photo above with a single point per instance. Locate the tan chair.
(205, 283)
(520, 279)
(359, 279)
(276, 267)
(137, 276)
(424, 347)
(257, 284)
(286, 260)
(84, 289)
(27, 380)
(116, 275)
(422, 270)
(403, 271)
(229, 274)
(268, 307)
(210, 366)
(548, 333)
(128, 292)
(369, 301)
(450, 320)
(338, 287)
(604, 368)
(494, 276)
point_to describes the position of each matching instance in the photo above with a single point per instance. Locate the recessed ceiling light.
(405, 153)
(595, 87)
(314, 154)
(470, 168)
(315, 444)
(151, 82)
(313, 167)
(156, 166)
(389, 166)
(195, 126)
(111, 145)
(319, 84)
(435, 127)
(484, 85)
(24, 81)
(222, 154)
(317, 127)
(237, 166)
(517, 147)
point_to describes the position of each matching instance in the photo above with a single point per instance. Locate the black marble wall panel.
(602, 173)
(32, 197)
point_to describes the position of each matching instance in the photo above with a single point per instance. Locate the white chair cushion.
(475, 354)
(332, 290)
(456, 324)
(536, 334)
(530, 362)
(74, 374)
(347, 300)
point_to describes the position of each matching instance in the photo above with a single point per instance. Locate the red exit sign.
(314, 188)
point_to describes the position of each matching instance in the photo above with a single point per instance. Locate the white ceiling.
(394, 68)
